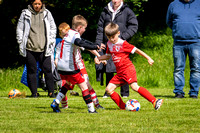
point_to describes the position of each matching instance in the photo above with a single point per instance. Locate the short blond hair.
(63, 26)
(111, 29)
(78, 20)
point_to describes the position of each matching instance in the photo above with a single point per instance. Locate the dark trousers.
(45, 64)
(124, 89)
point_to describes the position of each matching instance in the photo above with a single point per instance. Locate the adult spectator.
(118, 12)
(36, 33)
(183, 17)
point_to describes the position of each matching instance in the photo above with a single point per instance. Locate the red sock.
(118, 100)
(94, 97)
(146, 94)
(64, 102)
(86, 96)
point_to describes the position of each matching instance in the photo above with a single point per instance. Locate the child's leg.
(61, 94)
(64, 102)
(143, 92)
(86, 96)
(91, 91)
(114, 95)
(59, 97)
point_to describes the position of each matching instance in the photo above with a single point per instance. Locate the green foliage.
(159, 47)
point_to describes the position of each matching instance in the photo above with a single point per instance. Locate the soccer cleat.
(55, 107)
(157, 103)
(92, 112)
(100, 107)
(74, 93)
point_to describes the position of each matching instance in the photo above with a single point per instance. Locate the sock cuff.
(85, 92)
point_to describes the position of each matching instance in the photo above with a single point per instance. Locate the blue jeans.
(180, 52)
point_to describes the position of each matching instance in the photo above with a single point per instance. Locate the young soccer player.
(119, 50)
(63, 27)
(66, 56)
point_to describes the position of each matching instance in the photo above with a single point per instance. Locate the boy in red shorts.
(119, 50)
(66, 56)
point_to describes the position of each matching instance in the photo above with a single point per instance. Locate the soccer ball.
(132, 105)
(13, 93)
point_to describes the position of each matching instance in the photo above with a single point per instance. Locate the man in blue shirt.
(183, 17)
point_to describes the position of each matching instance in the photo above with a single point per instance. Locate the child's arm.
(104, 57)
(86, 44)
(140, 52)
(96, 60)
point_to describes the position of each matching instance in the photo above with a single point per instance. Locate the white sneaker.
(105, 96)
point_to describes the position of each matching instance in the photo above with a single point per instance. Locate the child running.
(63, 29)
(119, 50)
(66, 56)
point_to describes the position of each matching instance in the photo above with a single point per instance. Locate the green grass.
(35, 115)
(176, 115)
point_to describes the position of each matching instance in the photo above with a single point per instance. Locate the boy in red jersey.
(119, 50)
(66, 55)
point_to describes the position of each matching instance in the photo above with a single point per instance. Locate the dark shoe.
(92, 112)
(179, 96)
(100, 107)
(35, 95)
(193, 96)
(51, 95)
(55, 107)
(74, 93)
(106, 95)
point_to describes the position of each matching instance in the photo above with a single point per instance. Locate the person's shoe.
(51, 95)
(65, 107)
(193, 96)
(35, 95)
(100, 107)
(179, 96)
(157, 104)
(105, 96)
(92, 112)
(74, 93)
(55, 107)
(124, 96)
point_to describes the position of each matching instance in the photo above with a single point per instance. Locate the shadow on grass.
(165, 96)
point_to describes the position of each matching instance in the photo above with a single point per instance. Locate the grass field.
(175, 116)
(35, 115)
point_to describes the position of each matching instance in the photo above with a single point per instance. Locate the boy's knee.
(135, 86)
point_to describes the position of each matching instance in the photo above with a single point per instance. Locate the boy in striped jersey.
(68, 61)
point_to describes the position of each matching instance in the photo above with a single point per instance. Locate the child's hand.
(103, 46)
(96, 60)
(104, 62)
(150, 61)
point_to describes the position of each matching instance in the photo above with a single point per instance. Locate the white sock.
(59, 97)
(91, 107)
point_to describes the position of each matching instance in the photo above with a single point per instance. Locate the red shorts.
(83, 71)
(73, 79)
(127, 76)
